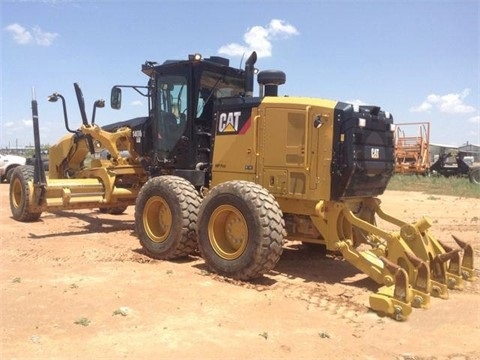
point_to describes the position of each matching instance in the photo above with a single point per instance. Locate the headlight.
(196, 57)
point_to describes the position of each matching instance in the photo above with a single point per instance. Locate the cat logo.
(228, 122)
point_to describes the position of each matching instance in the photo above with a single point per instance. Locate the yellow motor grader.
(216, 168)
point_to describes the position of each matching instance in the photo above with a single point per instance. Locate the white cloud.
(27, 122)
(36, 36)
(357, 102)
(423, 107)
(136, 103)
(16, 129)
(475, 119)
(16, 125)
(452, 103)
(43, 38)
(259, 38)
(280, 27)
(19, 33)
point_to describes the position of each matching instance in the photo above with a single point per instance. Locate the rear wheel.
(474, 175)
(240, 230)
(20, 194)
(165, 217)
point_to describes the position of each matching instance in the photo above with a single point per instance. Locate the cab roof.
(213, 62)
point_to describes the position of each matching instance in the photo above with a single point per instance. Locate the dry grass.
(440, 185)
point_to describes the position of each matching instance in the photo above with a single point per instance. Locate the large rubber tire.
(474, 175)
(8, 175)
(20, 194)
(166, 216)
(240, 230)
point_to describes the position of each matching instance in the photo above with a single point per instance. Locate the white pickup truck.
(7, 164)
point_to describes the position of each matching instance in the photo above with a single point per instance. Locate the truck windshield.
(171, 111)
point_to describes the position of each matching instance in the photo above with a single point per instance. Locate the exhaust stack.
(249, 74)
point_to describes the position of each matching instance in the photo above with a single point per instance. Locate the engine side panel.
(304, 150)
(284, 144)
(295, 153)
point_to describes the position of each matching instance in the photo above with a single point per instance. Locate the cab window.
(215, 86)
(171, 110)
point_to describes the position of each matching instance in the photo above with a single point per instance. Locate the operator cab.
(176, 137)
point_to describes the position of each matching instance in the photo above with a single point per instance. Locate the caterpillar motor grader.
(216, 168)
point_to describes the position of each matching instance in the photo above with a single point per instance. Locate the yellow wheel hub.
(228, 232)
(157, 219)
(17, 193)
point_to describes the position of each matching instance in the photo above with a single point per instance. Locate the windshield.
(215, 86)
(171, 110)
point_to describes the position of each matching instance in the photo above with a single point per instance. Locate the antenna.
(241, 60)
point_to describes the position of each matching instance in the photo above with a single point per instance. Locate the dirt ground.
(77, 285)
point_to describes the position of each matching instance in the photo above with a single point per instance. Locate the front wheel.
(240, 230)
(8, 175)
(165, 217)
(20, 188)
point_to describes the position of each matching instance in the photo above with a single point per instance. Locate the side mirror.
(116, 98)
(98, 104)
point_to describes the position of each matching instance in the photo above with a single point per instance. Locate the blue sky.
(420, 60)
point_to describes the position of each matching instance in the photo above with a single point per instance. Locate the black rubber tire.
(240, 230)
(118, 210)
(474, 175)
(166, 216)
(8, 175)
(20, 194)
